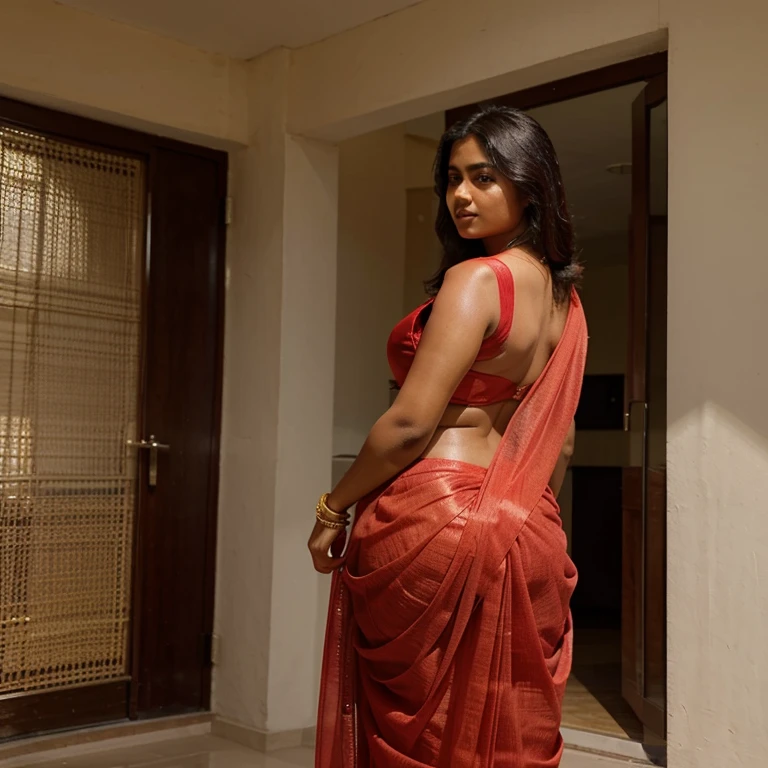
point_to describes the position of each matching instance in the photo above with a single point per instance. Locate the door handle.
(153, 447)
(628, 413)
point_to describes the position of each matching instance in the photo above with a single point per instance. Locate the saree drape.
(449, 637)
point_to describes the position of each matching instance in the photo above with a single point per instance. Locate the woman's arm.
(558, 476)
(461, 315)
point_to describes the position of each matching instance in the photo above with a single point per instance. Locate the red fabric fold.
(449, 634)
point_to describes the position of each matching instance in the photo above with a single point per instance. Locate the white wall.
(387, 248)
(435, 55)
(383, 73)
(718, 432)
(278, 406)
(423, 251)
(60, 57)
(371, 266)
(252, 378)
(305, 424)
(717, 383)
(422, 248)
(420, 154)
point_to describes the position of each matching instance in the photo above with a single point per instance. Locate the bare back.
(472, 433)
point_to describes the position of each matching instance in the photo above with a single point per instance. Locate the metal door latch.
(153, 447)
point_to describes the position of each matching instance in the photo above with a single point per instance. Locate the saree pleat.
(449, 637)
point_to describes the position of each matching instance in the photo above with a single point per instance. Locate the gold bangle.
(329, 524)
(328, 514)
(343, 521)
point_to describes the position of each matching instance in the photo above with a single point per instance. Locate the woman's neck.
(497, 244)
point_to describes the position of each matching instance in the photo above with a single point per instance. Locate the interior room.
(387, 248)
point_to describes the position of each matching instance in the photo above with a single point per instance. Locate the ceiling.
(242, 28)
(590, 133)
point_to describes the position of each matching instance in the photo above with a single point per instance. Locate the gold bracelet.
(329, 524)
(328, 514)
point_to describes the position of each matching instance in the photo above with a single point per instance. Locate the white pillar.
(278, 414)
(717, 383)
(305, 425)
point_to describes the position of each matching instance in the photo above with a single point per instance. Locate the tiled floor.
(212, 752)
(593, 703)
(593, 700)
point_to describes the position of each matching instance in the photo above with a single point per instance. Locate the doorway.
(609, 130)
(605, 126)
(111, 320)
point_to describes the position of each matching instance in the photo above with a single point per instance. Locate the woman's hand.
(320, 542)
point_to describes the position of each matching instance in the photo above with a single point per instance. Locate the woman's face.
(484, 204)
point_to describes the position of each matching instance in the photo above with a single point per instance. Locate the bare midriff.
(470, 433)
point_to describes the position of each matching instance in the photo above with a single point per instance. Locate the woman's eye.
(454, 181)
(485, 179)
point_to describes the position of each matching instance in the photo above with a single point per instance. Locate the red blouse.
(476, 388)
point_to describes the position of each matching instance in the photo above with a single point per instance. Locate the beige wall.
(718, 422)
(305, 424)
(371, 264)
(252, 379)
(422, 248)
(717, 374)
(387, 248)
(421, 60)
(717, 432)
(277, 435)
(604, 294)
(420, 154)
(60, 57)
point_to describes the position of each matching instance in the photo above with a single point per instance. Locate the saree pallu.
(449, 634)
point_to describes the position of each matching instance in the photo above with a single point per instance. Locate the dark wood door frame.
(651, 69)
(645, 489)
(654, 94)
(636, 70)
(112, 701)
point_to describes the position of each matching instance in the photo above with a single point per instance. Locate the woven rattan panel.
(71, 255)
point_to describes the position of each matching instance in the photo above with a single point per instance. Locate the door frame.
(117, 700)
(644, 490)
(637, 70)
(651, 69)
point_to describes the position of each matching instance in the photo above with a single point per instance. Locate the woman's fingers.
(319, 545)
(326, 564)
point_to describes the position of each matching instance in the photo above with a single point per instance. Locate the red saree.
(449, 634)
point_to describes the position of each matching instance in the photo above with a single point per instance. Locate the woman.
(449, 635)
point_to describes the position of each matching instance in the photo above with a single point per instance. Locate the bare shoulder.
(471, 281)
(472, 274)
(469, 295)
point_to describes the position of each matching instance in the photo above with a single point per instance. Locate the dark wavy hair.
(520, 149)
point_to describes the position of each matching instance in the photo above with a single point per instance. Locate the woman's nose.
(462, 191)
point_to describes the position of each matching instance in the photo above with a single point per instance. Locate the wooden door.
(644, 485)
(176, 543)
(107, 558)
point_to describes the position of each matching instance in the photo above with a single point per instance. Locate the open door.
(644, 486)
